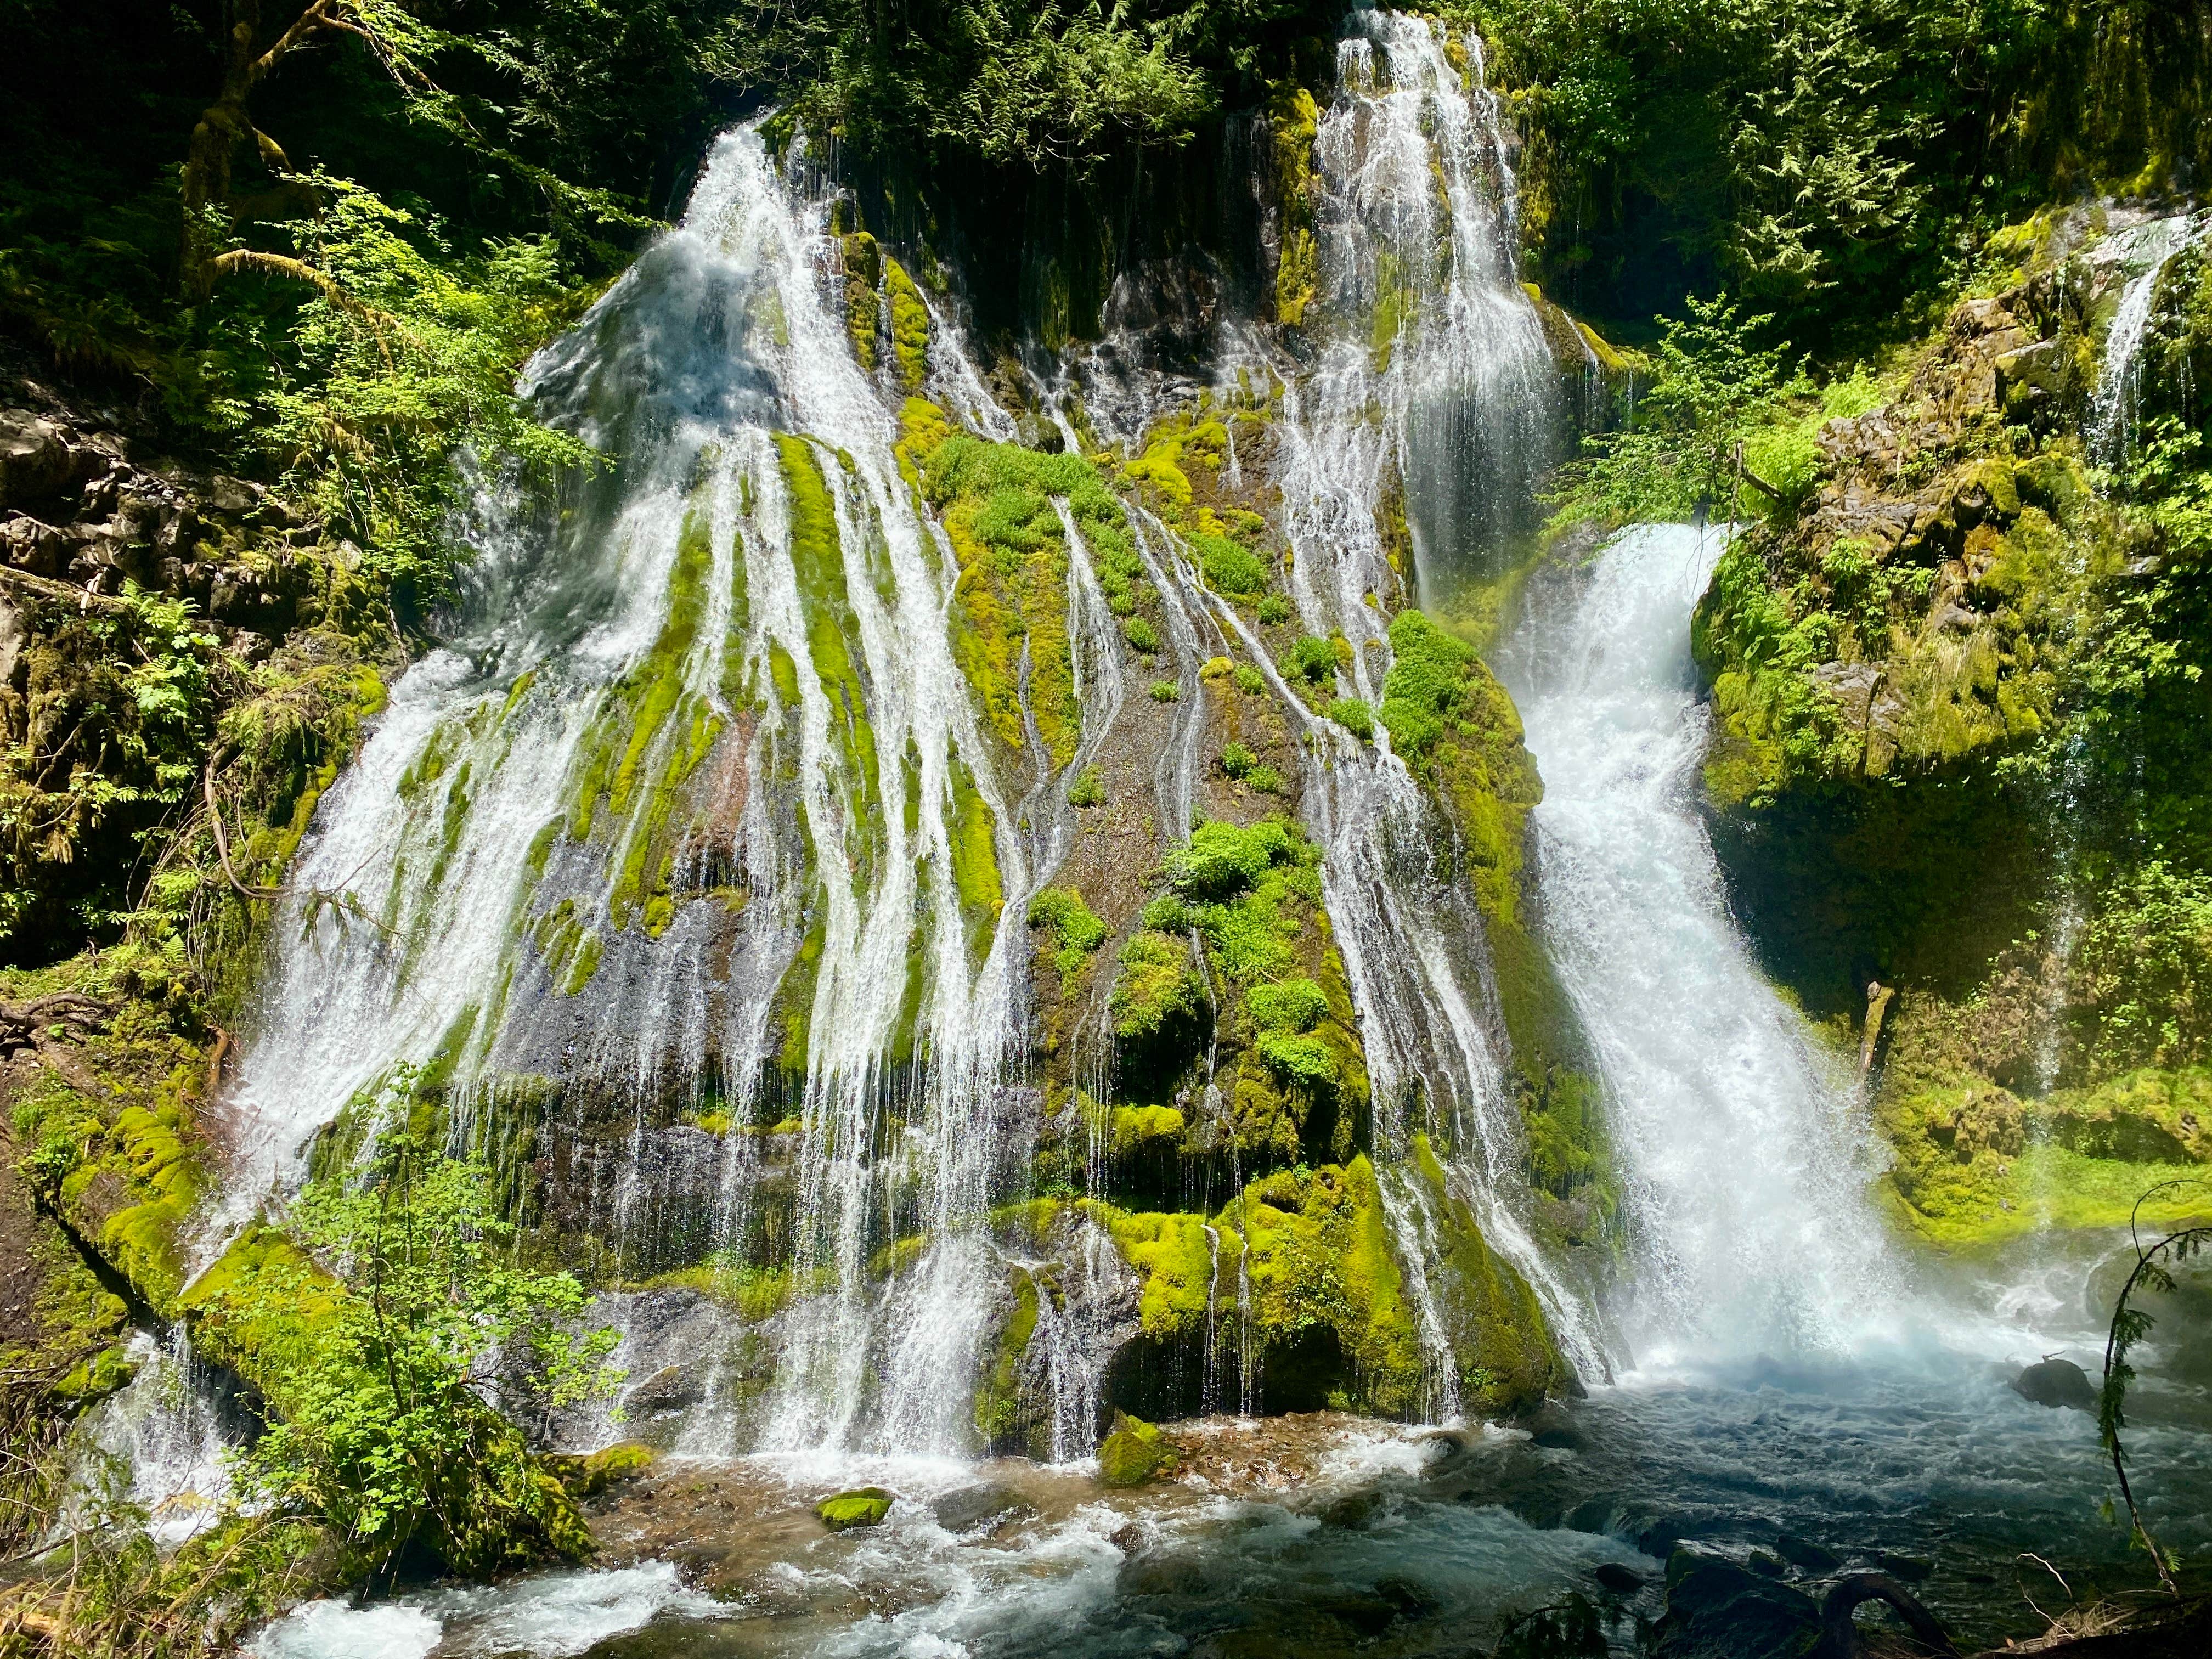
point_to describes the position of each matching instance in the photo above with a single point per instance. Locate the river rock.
(1618, 1579)
(1803, 1552)
(1718, 1608)
(2056, 1382)
(1553, 1426)
(972, 1508)
(1913, 1569)
(863, 1506)
(1133, 1452)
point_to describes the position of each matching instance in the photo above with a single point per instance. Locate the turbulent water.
(695, 770)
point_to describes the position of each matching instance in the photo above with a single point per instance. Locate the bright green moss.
(995, 502)
(1156, 988)
(997, 1392)
(1133, 1453)
(1174, 1260)
(863, 263)
(1354, 716)
(909, 325)
(1293, 121)
(1138, 1128)
(148, 1146)
(974, 852)
(1063, 913)
(865, 1506)
(1503, 1351)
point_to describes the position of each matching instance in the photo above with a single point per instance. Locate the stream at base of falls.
(1794, 1386)
(1319, 1535)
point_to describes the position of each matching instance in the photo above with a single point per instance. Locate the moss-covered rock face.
(1952, 685)
(1456, 728)
(1230, 1002)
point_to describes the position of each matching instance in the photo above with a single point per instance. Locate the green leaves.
(1714, 386)
(391, 1329)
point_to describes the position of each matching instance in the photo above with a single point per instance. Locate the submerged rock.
(1619, 1580)
(1805, 1553)
(1133, 1453)
(863, 1506)
(973, 1507)
(2056, 1382)
(1718, 1608)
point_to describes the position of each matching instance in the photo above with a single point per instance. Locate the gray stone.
(2055, 1382)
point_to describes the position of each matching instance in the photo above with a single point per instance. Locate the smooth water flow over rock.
(706, 726)
(1742, 1144)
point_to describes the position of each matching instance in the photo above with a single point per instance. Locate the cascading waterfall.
(1433, 379)
(1745, 1160)
(666, 760)
(2111, 414)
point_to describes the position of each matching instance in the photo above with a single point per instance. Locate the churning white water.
(1741, 1144)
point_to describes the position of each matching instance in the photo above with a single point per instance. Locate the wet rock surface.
(2056, 1382)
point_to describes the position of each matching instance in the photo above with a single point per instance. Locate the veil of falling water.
(687, 787)
(1434, 382)
(702, 736)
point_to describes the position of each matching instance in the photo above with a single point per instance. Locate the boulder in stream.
(1133, 1452)
(1718, 1608)
(2056, 1382)
(863, 1506)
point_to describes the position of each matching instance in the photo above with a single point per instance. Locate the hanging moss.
(1293, 121)
(909, 321)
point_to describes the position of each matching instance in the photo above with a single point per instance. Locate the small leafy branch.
(2130, 1324)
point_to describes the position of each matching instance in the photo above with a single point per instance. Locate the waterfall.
(669, 832)
(2111, 413)
(658, 773)
(1434, 379)
(1745, 1157)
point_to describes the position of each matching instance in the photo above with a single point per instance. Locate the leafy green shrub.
(1249, 680)
(1088, 790)
(1312, 660)
(1274, 609)
(1264, 781)
(2143, 971)
(1229, 567)
(1354, 716)
(373, 1325)
(1141, 635)
(1237, 761)
(1166, 691)
(1062, 911)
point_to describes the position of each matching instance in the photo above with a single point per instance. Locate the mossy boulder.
(863, 1506)
(1133, 1452)
(592, 1473)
